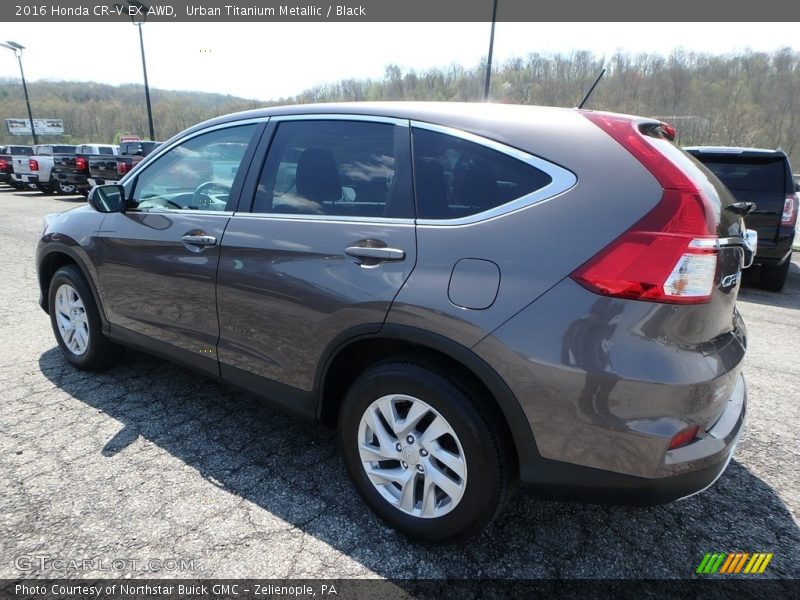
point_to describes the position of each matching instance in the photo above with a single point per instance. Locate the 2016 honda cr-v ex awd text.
(473, 294)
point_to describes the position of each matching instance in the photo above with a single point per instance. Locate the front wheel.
(76, 322)
(422, 452)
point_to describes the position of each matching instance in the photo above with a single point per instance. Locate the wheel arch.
(354, 350)
(50, 261)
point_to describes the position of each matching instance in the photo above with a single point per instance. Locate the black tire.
(100, 352)
(67, 189)
(484, 449)
(46, 190)
(773, 278)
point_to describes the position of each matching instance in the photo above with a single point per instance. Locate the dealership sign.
(42, 126)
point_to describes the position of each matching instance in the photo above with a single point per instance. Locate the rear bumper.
(93, 181)
(74, 178)
(773, 252)
(686, 471)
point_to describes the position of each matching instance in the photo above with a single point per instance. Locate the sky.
(266, 61)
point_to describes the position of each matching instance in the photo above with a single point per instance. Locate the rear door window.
(455, 178)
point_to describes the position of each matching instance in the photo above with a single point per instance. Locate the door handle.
(375, 254)
(199, 240)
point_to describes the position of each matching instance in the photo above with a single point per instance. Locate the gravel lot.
(151, 461)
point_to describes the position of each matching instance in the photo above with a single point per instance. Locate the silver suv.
(473, 294)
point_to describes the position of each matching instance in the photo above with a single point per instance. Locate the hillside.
(741, 99)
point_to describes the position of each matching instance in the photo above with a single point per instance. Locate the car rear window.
(20, 150)
(753, 174)
(456, 178)
(63, 149)
(105, 150)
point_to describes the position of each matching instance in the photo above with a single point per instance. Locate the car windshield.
(756, 174)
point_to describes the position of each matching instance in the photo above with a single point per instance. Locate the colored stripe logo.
(731, 563)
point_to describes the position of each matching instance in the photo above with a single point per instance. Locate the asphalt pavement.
(149, 470)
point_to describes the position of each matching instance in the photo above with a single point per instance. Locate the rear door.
(324, 250)
(157, 261)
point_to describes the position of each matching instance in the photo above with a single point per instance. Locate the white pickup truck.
(35, 171)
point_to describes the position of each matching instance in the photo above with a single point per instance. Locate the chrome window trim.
(326, 218)
(561, 178)
(157, 210)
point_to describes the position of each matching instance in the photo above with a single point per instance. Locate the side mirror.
(107, 198)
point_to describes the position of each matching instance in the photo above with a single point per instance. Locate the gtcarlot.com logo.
(732, 563)
(30, 563)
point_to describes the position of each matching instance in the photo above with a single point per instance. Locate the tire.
(86, 348)
(773, 278)
(47, 190)
(473, 446)
(68, 189)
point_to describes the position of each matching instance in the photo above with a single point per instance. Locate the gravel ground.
(151, 470)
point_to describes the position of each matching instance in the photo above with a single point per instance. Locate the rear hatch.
(688, 250)
(763, 178)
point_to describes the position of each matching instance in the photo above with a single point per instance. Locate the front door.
(157, 261)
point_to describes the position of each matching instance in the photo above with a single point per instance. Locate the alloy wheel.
(73, 324)
(412, 456)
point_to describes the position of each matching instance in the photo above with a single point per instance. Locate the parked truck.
(7, 154)
(71, 171)
(35, 171)
(110, 169)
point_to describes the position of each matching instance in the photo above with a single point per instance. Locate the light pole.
(489, 59)
(138, 18)
(17, 50)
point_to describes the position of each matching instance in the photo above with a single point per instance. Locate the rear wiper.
(741, 208)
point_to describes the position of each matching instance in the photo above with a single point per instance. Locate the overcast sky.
(271, 60)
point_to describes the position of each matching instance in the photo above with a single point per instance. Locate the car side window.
(456, 178)
(195, 175)
(335, 167)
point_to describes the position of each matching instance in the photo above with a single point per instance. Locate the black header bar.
(100, 11)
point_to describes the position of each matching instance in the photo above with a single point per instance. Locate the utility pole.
(489, 60)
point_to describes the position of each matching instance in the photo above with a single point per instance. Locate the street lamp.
(17, 50)
(138, 18)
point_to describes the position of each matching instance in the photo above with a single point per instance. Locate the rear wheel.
(66, 188)
(76, 322)
(422, 453)
(773, 278)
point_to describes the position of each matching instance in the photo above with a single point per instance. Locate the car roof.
(452, 114)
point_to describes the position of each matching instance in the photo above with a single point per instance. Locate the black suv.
(763, 177)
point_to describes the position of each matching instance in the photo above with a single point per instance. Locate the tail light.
(789, 216)
(122, 168)
(81, 163)
(670, 254)
(3, 164)
(33, 164)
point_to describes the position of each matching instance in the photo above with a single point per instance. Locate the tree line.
(745, 99)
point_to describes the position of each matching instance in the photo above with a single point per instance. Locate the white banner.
(43, 126)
